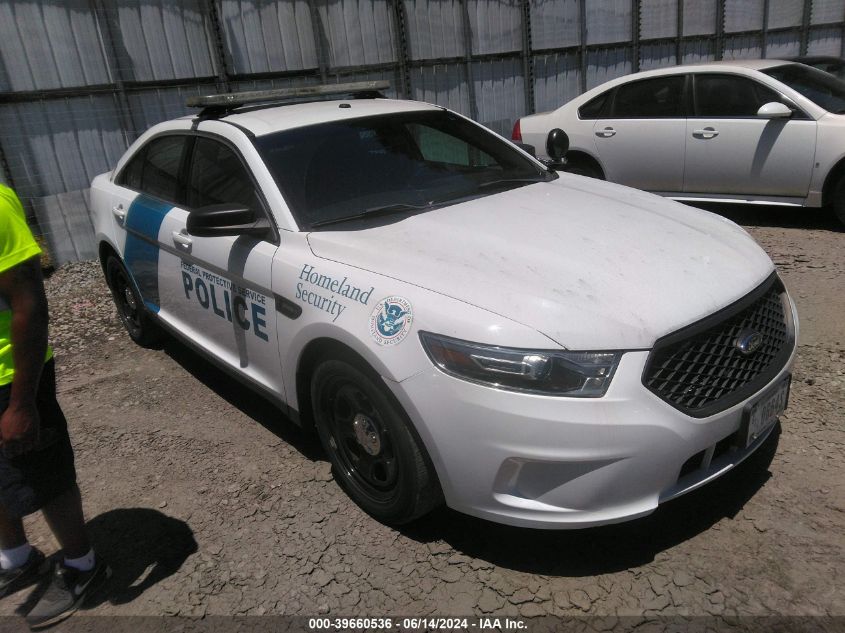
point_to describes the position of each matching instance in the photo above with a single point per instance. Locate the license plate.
(764, 413)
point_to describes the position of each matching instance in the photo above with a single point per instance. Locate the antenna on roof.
(218, 105)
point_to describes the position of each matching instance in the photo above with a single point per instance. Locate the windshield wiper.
(387, 209)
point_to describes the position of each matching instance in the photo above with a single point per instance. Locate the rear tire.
(375, 454)
(130, 307)
(584, 169)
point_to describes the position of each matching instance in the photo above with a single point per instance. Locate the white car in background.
(754, 131)
(457, 321)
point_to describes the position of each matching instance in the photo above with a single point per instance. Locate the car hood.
(589, 264)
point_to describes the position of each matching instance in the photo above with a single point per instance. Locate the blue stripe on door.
(143, 221)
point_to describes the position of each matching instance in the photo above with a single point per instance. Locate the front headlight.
(551, 373)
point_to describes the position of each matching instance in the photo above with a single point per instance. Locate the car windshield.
(398, 163)
(820, 87)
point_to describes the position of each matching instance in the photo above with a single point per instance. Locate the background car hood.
(589, 264)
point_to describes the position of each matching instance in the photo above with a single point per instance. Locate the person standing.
(37, 469)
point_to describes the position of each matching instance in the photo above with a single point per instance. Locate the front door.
(730, 150)
(219, 288)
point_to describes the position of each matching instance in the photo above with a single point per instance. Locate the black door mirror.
(557, 144)
(215, 220)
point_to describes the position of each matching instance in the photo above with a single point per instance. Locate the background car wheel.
(130, 308)
(584, 169)
(374, 452)
(839, 200)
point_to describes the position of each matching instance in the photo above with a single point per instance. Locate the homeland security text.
(337, 288)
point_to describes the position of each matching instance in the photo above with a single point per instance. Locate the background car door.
(730, 150)
(641, 143)
(218, 288)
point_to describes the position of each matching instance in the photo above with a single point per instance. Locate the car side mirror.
(216, 220)
(774, 110)
(557, 144)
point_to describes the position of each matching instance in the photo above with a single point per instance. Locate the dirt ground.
(208, 502)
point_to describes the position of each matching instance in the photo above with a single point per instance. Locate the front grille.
(700, 369)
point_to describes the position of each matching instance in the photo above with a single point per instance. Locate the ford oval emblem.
(748, 342)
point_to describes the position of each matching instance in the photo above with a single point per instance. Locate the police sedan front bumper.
(552, 462)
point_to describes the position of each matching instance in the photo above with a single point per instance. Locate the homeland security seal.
(391, 320)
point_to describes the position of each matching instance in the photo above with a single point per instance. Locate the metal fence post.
(582, 51)
(679, 34)
(403, 51)
(805, 26)
(527, 57)
(765, 35)
(635, 35)
(319, 44)
(720, 29)
(111, 37)
(224, 72)
(473, 104)
(4, 165)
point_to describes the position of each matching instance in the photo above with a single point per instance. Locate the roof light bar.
(231, 100)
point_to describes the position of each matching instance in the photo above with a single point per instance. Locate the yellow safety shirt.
(16, 245)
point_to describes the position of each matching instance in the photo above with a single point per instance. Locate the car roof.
(741, 64)
(264, 119)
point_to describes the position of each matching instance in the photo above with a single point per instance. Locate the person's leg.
(11, 530)
(65, 518)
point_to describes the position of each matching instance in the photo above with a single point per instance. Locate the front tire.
(130, 307)
(375, 454)
(839, 200)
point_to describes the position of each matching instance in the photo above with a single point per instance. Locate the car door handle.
(606, 132)
(119, 212)
(707, 132)
(181, 239)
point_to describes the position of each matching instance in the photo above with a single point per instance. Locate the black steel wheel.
(130, 307)
(374, 452)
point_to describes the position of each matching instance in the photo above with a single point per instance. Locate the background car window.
(217, 176)
(821, 88)
(160, 171)
(594, 107)
(650, 98)
(730, 96)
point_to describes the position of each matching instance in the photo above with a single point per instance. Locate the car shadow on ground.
(774, 216)
(246, 400)
(606, 549)
(142, 546)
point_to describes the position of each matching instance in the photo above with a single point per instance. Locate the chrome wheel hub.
(366, 434)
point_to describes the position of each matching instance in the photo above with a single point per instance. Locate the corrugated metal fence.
(80, 79)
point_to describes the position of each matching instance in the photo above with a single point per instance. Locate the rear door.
(641, 140)
(730, 150)
(146, 192)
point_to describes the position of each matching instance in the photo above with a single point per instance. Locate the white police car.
(458, 322)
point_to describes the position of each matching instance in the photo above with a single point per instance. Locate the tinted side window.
(217, 176)
(160, 173)
(650, 98)
(131, 175)
(730, 96)
(594, 107)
